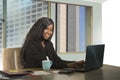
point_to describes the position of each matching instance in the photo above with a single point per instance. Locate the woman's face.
(47, 33)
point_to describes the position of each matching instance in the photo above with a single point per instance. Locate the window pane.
(19, 22)
(61, 28)
(82, 28)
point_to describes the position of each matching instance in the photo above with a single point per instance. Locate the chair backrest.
(11, 58)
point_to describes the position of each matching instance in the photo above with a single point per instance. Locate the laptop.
(93, 60)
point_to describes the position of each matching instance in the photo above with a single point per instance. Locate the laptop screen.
(94, 56)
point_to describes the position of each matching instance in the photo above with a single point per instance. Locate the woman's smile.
(48, 32)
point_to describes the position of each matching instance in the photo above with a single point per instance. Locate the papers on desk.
(56, 71)
(44, 72)
(40, 73)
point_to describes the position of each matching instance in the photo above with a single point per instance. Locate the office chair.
(11, 58)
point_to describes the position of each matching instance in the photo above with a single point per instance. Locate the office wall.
(111, 31)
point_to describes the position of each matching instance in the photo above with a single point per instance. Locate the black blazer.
(35, 53)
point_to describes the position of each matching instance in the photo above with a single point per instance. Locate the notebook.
(93, 60)
(14, 73)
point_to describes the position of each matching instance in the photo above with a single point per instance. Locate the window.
(73, 28)
(21, 19)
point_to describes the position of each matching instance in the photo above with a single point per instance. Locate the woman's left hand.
(76, 64)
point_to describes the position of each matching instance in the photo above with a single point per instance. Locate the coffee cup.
(46, 65)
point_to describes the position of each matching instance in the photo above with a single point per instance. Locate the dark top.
(35, 53)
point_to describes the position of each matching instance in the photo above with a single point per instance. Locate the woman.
(38, 45)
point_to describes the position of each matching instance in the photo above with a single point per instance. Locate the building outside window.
(24, 14)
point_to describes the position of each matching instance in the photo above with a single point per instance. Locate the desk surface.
(107, 72)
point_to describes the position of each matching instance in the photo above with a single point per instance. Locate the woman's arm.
(57, 61)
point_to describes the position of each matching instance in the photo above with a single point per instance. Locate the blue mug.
(46, 65)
